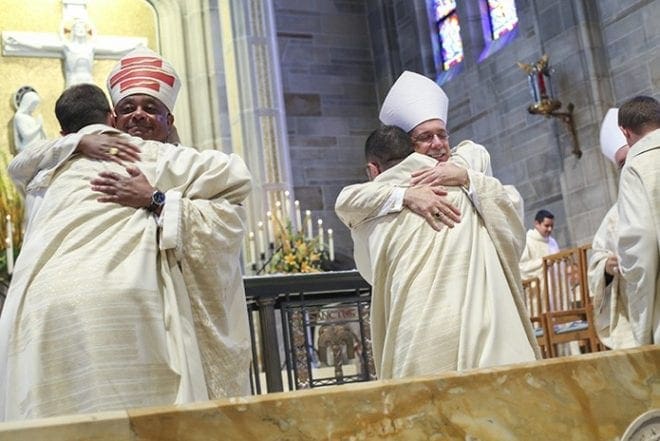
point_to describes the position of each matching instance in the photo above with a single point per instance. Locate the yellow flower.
(290, 259)
(314, 257)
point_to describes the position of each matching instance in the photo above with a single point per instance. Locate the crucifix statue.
(76, 43)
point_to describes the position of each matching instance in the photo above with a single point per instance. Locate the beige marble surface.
(586, 397)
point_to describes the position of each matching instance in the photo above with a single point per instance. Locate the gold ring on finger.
(112, 151)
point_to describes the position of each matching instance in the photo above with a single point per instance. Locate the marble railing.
(585, 397)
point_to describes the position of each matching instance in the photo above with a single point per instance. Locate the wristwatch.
(157, 200)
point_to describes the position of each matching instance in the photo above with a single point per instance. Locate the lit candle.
(260, 237)
(299, 225)
(320, 223)
(308, 223)
(253, 252)
(271, 235)
(287, 207)
(331, 245)
(10, 246)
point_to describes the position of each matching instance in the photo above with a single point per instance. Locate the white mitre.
(611, 137)
(412, 100)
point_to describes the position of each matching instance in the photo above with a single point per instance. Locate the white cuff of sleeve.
(170, 220)
(472, 193)
(394, 202)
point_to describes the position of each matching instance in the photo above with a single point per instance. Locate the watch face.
(158, 198)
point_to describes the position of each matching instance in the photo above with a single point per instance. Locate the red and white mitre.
(143, 71)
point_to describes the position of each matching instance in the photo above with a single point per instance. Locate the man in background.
(638, 242)
(605, 284)
(539, 244)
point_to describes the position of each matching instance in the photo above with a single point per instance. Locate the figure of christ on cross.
(76, 44)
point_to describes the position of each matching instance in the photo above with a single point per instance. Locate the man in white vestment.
(539, 244)
(419, 106)
(145, 112)
(638, 242)
(610, 311)
(441, 300)
(133, 298)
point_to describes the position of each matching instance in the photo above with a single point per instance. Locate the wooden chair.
(569, 312)
(534, 304)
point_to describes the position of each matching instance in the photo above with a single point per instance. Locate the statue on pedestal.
(27, 127)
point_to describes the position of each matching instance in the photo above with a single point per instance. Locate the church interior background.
(294, 87)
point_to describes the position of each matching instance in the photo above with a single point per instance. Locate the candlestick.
(331, 245)
(287, 207)
(271, 235)
(253, 252)
(262, 244)
(299, 225)
(308, 223)
(320, 224)
(10, 246)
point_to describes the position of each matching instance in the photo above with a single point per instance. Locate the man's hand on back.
(133, 190)
(430, 202)
(444, 173)
(106, 147)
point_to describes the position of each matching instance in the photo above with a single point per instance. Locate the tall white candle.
(253, 251)
(299, 225)
(287, 207)
(308, 223)
(331, 245)
(271, 235)
(10, 246)
(321, 236)
(260, 238)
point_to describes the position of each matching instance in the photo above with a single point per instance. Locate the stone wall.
(340, 57)
(328, 75)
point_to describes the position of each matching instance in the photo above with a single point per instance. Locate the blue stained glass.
(503, 17)
(450, 37)
(443, 8)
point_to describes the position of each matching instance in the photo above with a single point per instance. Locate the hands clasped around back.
(427, 195)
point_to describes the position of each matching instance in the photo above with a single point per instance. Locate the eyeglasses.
(427, 137)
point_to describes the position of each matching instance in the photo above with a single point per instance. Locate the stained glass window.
(449, 35)
(503, 17)
(443, 8)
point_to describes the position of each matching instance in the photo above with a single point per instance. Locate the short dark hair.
(387, 146)
(640, 114)
(81, 105)
(542, 214)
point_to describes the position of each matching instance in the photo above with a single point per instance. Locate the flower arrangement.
(295, 253)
